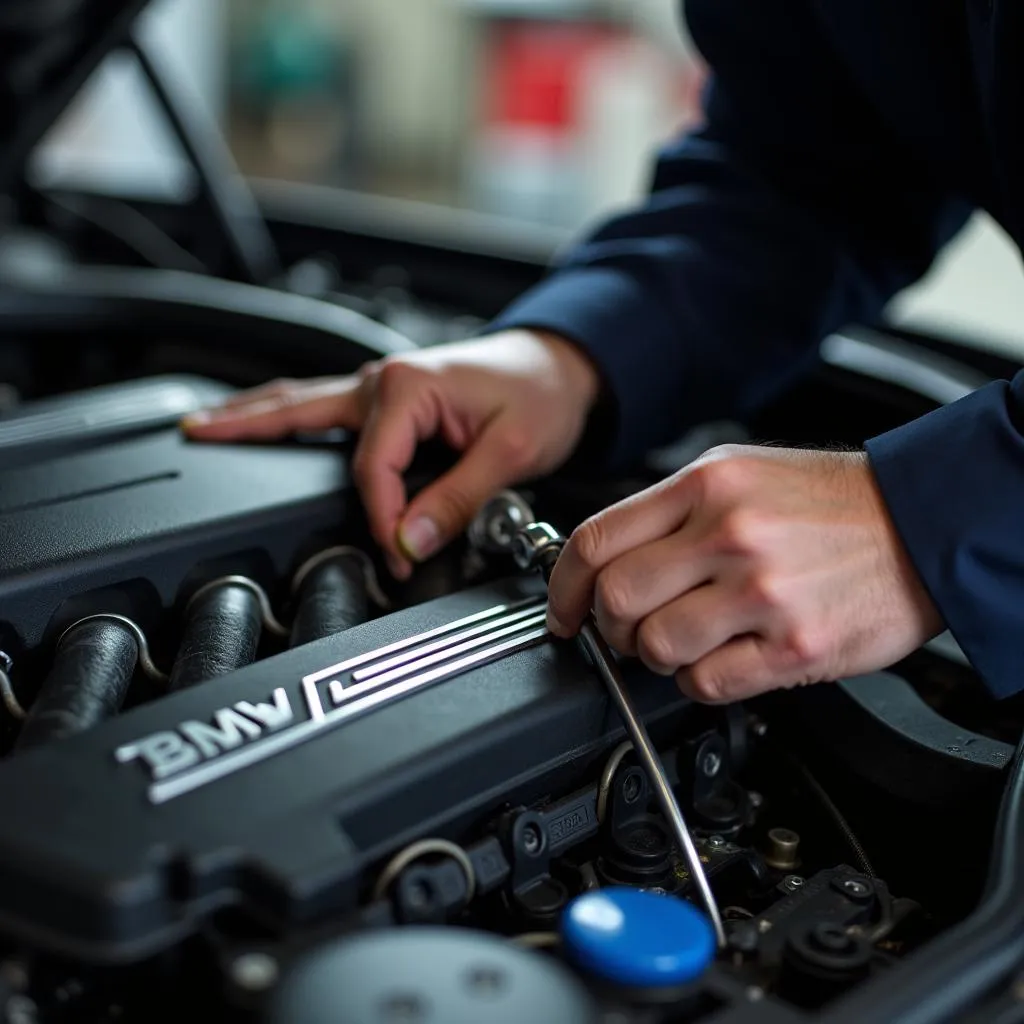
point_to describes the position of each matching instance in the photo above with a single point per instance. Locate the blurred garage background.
(526, 114)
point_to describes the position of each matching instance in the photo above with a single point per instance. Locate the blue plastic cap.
(639, 939)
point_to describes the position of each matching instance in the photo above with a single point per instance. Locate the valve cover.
(276, 787)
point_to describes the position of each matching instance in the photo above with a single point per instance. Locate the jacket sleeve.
(791, 212)
(954, 485)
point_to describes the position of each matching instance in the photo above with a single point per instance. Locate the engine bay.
(245, 773)
(248, 770)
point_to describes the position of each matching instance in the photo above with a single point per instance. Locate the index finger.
(628, 524)
(316, 406)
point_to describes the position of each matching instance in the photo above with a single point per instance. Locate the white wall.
(113, 136)
(975, 291)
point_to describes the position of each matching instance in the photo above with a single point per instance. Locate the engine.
(249, 775)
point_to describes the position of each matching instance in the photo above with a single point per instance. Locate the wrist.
(575, 367)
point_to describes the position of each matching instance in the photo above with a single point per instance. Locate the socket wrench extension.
(536, 547)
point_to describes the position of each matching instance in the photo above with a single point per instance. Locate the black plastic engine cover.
(150, 509)
(117, 842)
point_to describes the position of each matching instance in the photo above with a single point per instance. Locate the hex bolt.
(532, 839)
(792, 882)
(716, 842)
(631, 788)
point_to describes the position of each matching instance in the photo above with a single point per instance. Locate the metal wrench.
(536, 547)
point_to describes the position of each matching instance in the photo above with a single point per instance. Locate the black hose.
(91, 673)
(333, 597)
(858, 851)
(222, 632)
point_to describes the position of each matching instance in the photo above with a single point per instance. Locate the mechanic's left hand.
(751, 569)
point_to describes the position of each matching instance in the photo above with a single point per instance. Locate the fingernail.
(554, 626)
(419, 538)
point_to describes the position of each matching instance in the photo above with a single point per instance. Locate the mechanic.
(843, 145)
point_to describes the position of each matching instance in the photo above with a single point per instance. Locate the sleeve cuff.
(953, 482)
(609, 314)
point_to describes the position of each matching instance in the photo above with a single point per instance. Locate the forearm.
(791, 213)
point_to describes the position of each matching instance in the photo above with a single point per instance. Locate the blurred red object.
(533, 70)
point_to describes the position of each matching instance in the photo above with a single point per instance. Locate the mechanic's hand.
(751, 569)
(515, 404)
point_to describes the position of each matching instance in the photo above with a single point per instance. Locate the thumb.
(502, 455)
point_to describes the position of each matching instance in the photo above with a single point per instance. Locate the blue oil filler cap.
(637, 939)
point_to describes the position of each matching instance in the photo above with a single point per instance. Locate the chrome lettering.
(270, 716)
(164, 753)
(230, 730)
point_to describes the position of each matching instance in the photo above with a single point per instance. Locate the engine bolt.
(531, 839)
(711, 764)
(792, 882)
(631, 788)
(254, 972)
(716, 842)
(855, 887)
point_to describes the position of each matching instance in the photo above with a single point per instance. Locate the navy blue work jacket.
(845, 142)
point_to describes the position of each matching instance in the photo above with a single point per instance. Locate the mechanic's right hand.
(515, 404)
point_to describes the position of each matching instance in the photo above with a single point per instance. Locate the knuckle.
(394, 374)
(805, 644)
(721, 475)
(281, 385)
(291, 396)
(613, 595)
(656, 647)
(725, 452)
(704, 685)
(588, 542)
(762, 591)
(517, 448)
(740, 531)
